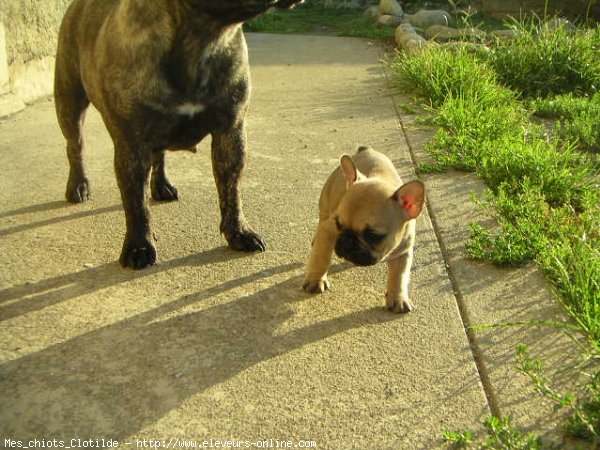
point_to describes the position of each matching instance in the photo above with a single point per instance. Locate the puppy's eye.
(373, 237)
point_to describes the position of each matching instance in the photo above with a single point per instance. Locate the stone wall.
(28, 31)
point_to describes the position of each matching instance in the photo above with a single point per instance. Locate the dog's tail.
(362, 148)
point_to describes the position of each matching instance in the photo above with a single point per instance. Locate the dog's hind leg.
(71, 103)
(228, 154)
(160, 187)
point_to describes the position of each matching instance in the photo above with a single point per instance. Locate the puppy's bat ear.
(411, 197)
(348, 169)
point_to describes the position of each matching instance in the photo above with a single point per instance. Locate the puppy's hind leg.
(228, 154)
(161, 188)
(71, 103)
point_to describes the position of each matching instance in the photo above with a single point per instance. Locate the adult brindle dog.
(164, 74)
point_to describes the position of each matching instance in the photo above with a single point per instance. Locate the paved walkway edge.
(490, 295)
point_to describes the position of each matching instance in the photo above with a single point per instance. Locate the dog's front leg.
(319, 261)
(397, 283)
(228, 155)
(132, 168)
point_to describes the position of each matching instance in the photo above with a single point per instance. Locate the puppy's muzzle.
(349, 248)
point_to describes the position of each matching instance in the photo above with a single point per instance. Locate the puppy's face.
(372, 219)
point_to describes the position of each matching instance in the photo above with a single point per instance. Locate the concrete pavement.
(213, 344)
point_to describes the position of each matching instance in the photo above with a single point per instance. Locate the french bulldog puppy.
(164, 74)
(366, 215)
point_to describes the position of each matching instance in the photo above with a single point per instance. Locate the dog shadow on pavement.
(118, 379)
(24, 298)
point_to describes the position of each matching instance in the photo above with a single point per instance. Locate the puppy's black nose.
(349, 247)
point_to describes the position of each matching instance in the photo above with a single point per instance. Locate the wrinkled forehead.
(364, 207)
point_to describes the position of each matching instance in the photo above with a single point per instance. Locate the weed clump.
(542, 62)
(544, 190)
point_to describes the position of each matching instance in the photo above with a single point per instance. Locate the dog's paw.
(138, 256)
(78, 191)
(164, 191)
(398, 304)
(316, 286)
(246, 241)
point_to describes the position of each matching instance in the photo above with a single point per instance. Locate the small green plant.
(459, 439)
(408, 109)
(501, 435)
(437, 74)
(577, 118)
(504, 248)
(564, 106)
(584, 421)
(543, 62)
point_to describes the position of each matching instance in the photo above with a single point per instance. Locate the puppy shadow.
(118, 379)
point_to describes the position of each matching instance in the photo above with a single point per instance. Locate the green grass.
(541, 63)
(313, 17)
(576, 118)
(544, 191)
(502, 435)
(458, 75)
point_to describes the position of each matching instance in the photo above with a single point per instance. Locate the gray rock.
(413, 45)
(345, 4)
(557, 23)
(386, 21)
(473, 34)
(407, 38)
(356, 4)
(426, 18)
(505, 34)
(372, 12)
(405, 27)
(402, 37)
(442, 33)
(390, 8)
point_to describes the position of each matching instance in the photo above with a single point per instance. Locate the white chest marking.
(190, 109)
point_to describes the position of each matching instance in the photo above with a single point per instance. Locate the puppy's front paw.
(398, 304)
(138, 255)
(317, 286)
